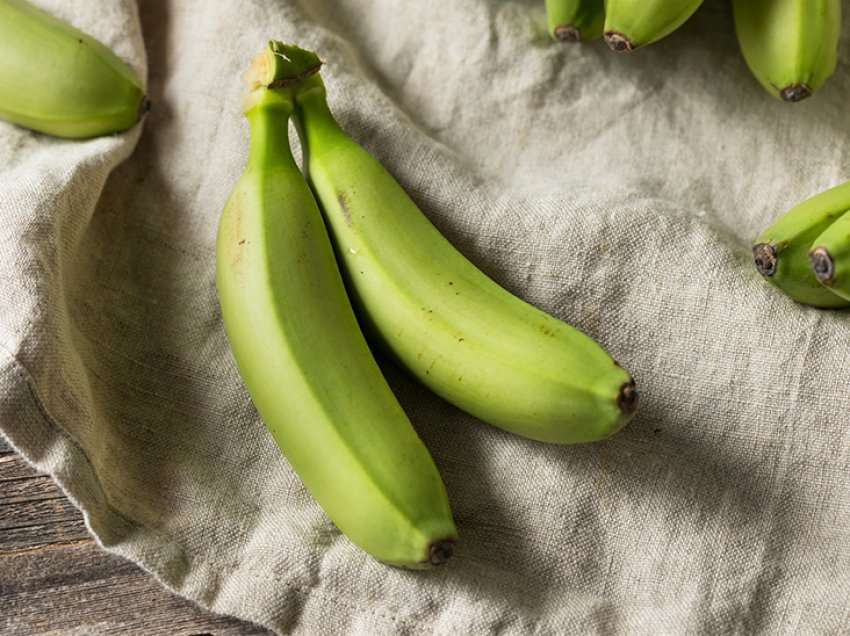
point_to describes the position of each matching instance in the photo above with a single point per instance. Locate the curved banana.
(58, 80)
(830, 257)
(575, 20)
(463, 336)
(303, 357)
(791, 46)
(630, 24)
(781, 253)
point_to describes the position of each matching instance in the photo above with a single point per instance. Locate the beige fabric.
(619, 193)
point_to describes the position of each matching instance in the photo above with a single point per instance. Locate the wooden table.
(55, 580)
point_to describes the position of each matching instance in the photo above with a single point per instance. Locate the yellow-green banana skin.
(58, 80)
(308, 368)
(630, 24)
(791, 46)
(458, 332)
(830, 257)
(781, 253)
(575, 20)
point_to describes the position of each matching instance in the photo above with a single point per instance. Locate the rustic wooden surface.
(55, 580)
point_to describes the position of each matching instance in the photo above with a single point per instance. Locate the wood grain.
(55, 580)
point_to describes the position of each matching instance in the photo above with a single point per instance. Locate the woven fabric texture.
(619, 193)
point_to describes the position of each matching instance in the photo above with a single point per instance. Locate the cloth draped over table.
(619, 193)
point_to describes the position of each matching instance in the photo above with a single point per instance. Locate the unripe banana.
(303, 357)
(791, 46)
(781, 253)
(575, 20)
(630, 24)
(458, 332)
(830, 257)
(58, 80)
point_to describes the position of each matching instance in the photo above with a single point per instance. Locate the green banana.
(830, 257)
(781, 253)
(575, 20)
(630, 24)
(791, 46)
(303, 357)
(60, 81)
(458, 332)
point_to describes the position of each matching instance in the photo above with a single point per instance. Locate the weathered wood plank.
(34, 535)
(80, 588)
(12, 466)
(28, 488)
(55, 580)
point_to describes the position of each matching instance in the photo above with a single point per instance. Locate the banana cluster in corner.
(791, 46)
(806, 252)
(286, 269)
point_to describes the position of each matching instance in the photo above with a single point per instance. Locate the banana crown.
(276, 72)
(281, 65)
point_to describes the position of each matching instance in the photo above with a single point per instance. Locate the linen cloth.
(619, 193)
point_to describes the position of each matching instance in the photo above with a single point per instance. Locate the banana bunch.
(59, 81)
(302, 355)
(806, 252)
(791, 46)
(306, 363)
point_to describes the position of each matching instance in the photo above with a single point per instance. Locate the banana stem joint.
(764, 256)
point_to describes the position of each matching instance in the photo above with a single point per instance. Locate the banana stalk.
(302, 355)
(457, 331)
(60, 81)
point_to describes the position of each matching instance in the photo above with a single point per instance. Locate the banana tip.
(618, 42)
(822, 264)
(567, 33)
(627, 400)
(795, 92)
(764, 256)
(440, 551)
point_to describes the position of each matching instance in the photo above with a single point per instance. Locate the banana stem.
(268, 117)
(314, 121)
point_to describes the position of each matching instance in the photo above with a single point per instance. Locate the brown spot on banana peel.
(795, 92)
(627, 399)
(823, 265)
(764, 256)
(567, 33)
(342, 197)
(618, 42)
(440, 551)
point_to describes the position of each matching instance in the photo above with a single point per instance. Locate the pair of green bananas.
(806, 252)
(60, 81)
(305, 361)
(791, 46)
(625, 24)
